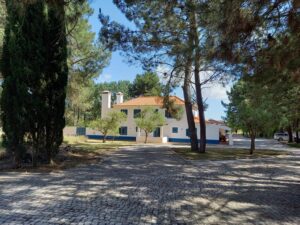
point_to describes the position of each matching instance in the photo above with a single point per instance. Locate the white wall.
(105, 103)
(69, 131)
(212, 130)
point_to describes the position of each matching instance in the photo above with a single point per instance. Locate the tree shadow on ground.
(154, 186)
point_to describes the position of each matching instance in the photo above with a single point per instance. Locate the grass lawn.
(226, 154)
(80, 150)
(75, 151)
(94, 145)
(294, 145)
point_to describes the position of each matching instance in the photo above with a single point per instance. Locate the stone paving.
(143, 185)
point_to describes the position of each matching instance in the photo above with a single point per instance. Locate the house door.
(156, 132)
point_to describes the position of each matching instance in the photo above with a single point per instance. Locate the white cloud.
(104, 78)
(213, 89)
(161, 70)
(216, 91)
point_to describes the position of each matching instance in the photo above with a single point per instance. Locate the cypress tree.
(56, 77)
(34, 55)
(34, 67)
(14, 88)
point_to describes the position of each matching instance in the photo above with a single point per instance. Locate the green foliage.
(175, 111)
(14, 87)
(2, 23)
(149, 120)
(171, 33)
(35, 72)
(56, 78)
(87, 106)
(146, 84)
(86, 60)
(248, 109)
(109, 124)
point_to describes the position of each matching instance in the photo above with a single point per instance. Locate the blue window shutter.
(187, 132)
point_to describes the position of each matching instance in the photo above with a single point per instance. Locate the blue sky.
(118, 69)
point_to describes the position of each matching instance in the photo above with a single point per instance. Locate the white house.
(173, 131)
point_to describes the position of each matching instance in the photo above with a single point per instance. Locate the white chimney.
(119, 97)
(105, 103)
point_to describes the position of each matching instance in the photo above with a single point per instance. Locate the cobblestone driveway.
(142, 185)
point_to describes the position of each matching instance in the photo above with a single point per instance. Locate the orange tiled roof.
(197, 120)
(218, 122)
(149, 101)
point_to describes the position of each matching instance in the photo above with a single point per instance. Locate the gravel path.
(142, 185)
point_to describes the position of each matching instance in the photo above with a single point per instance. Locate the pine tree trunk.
(297, 132)
(201, 115)
(199, 97)
(146, 138)
(78, 117)
(104, 138)
(189, 107)
(34, 159)
(290, 132)
(74, 117)
(252, 147)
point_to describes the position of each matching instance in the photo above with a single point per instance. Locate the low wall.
(141, 139)
(74, 131)
(117, 138)
(69, 131)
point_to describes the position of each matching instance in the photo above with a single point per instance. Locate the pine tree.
(162, 38)
(146, 84)
(86, 59)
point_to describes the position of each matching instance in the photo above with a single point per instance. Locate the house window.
(125, 111)
(187, 132)
(175, 130)
(136, 129)
(156, 132)
(168, 114)
(123, 130)
(136, 113)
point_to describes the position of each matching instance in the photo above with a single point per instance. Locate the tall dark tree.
(56, 77)
(12, 104)
(33, 74)
(34, 66)
(263, 38)
(2, 23)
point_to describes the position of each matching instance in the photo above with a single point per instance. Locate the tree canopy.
(147, 84)
(109, 124)
(149, 120)
(86, 59)
(249, 110)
